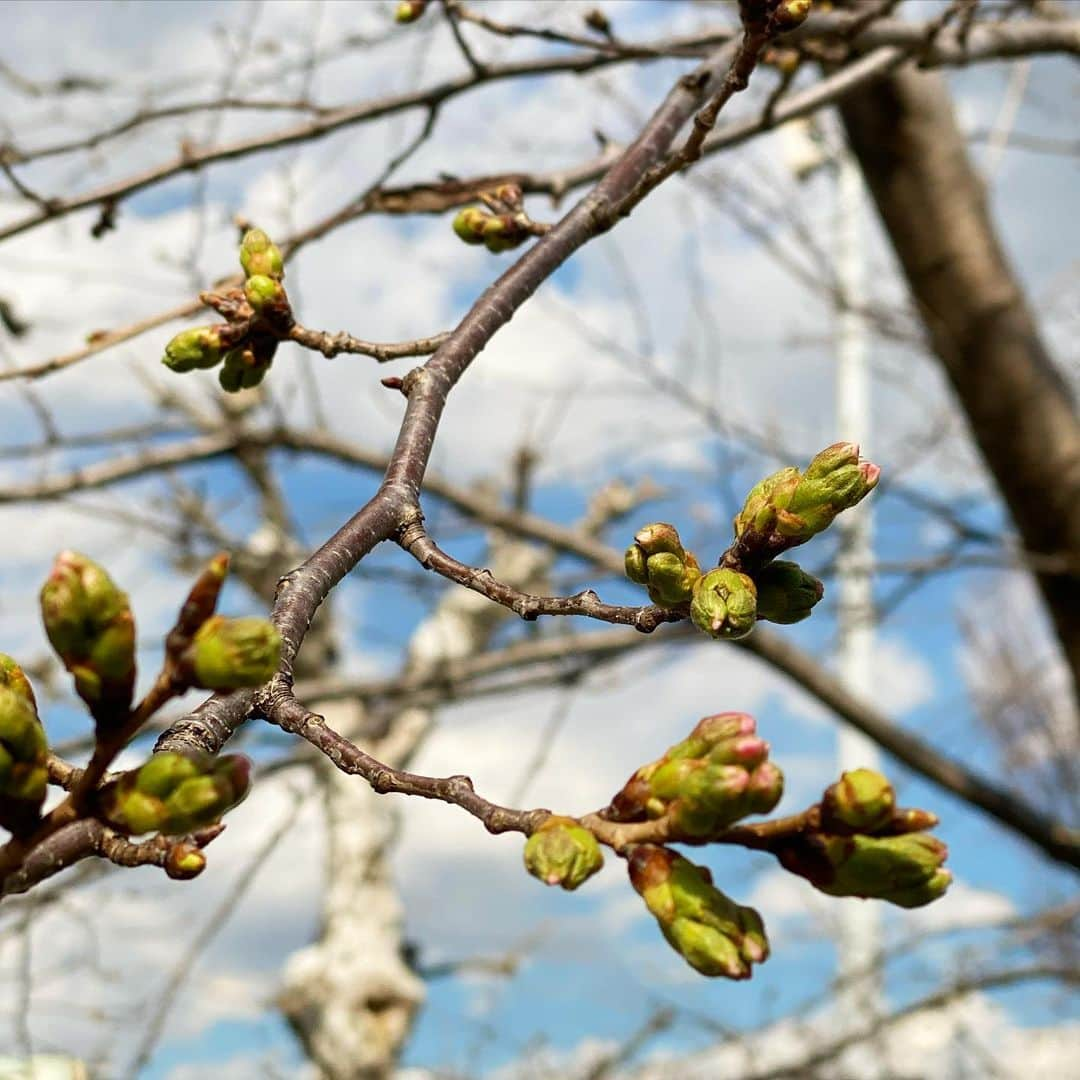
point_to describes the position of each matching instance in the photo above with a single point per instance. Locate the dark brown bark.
(1020, 410)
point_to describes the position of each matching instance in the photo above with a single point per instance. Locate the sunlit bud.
(23, 753)
(636, 563)
(659, 537)
(861, 800)
(227, 654)
(260, 255)
(174, 794)
(671, 579)
(263, 292)
(658, 561)
(786, 593)
(791, 13)
(12, 677)
(166, 771)
(202, 600)
(838, 456)
(904, 870)
(724, 604)
(199, 347)
(714, 733)
(713, 934)
(562, 852)
(469, 224)
(88, 621)
(184, 862)
(409, 10)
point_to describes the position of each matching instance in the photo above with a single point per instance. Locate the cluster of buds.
(258, 314)
(789, 507)
(88, 620)
(725, 602)
(711, 932)
(409, 11)
(562, 852)
(23, 751)
(657, 560)
(175, 794)
(502, 226)
(704, 784)
(869, 848)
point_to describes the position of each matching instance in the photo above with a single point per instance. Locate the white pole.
(859, 929)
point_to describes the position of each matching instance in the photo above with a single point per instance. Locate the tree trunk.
(1020, 410)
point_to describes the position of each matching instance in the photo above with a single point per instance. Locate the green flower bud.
(562, 852)
(246, 367)
(905, 870)
(724, 604)
(469, 224)
(713, 934)
(259, 255)
(409, 10)
(636, 563)
(88, 621)
(658, 560)
(502, 232)
(264, 292)
(184, 862)
(790, 14)
(12, 677)
(199, 347)
(659, 537)
(166, 771)
(786, 593)
(23, 754)
(861, 800)
(174, 793)
(227, 654)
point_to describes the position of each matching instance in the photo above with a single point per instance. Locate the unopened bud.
(263, 292)
(469, 224)
(227, 654)
(861, 800)
(23, 754)
(12, 677)
(562, 852)
(200, 347)
(711, 932)
(724, 604)
(409, 10)
(657, 560)
(184, 862)
(905, 870)
(174, 793)
(260, 255)
(202, 600)
(790, 14)
(246, 367)
(88, 621)
(786, 593)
